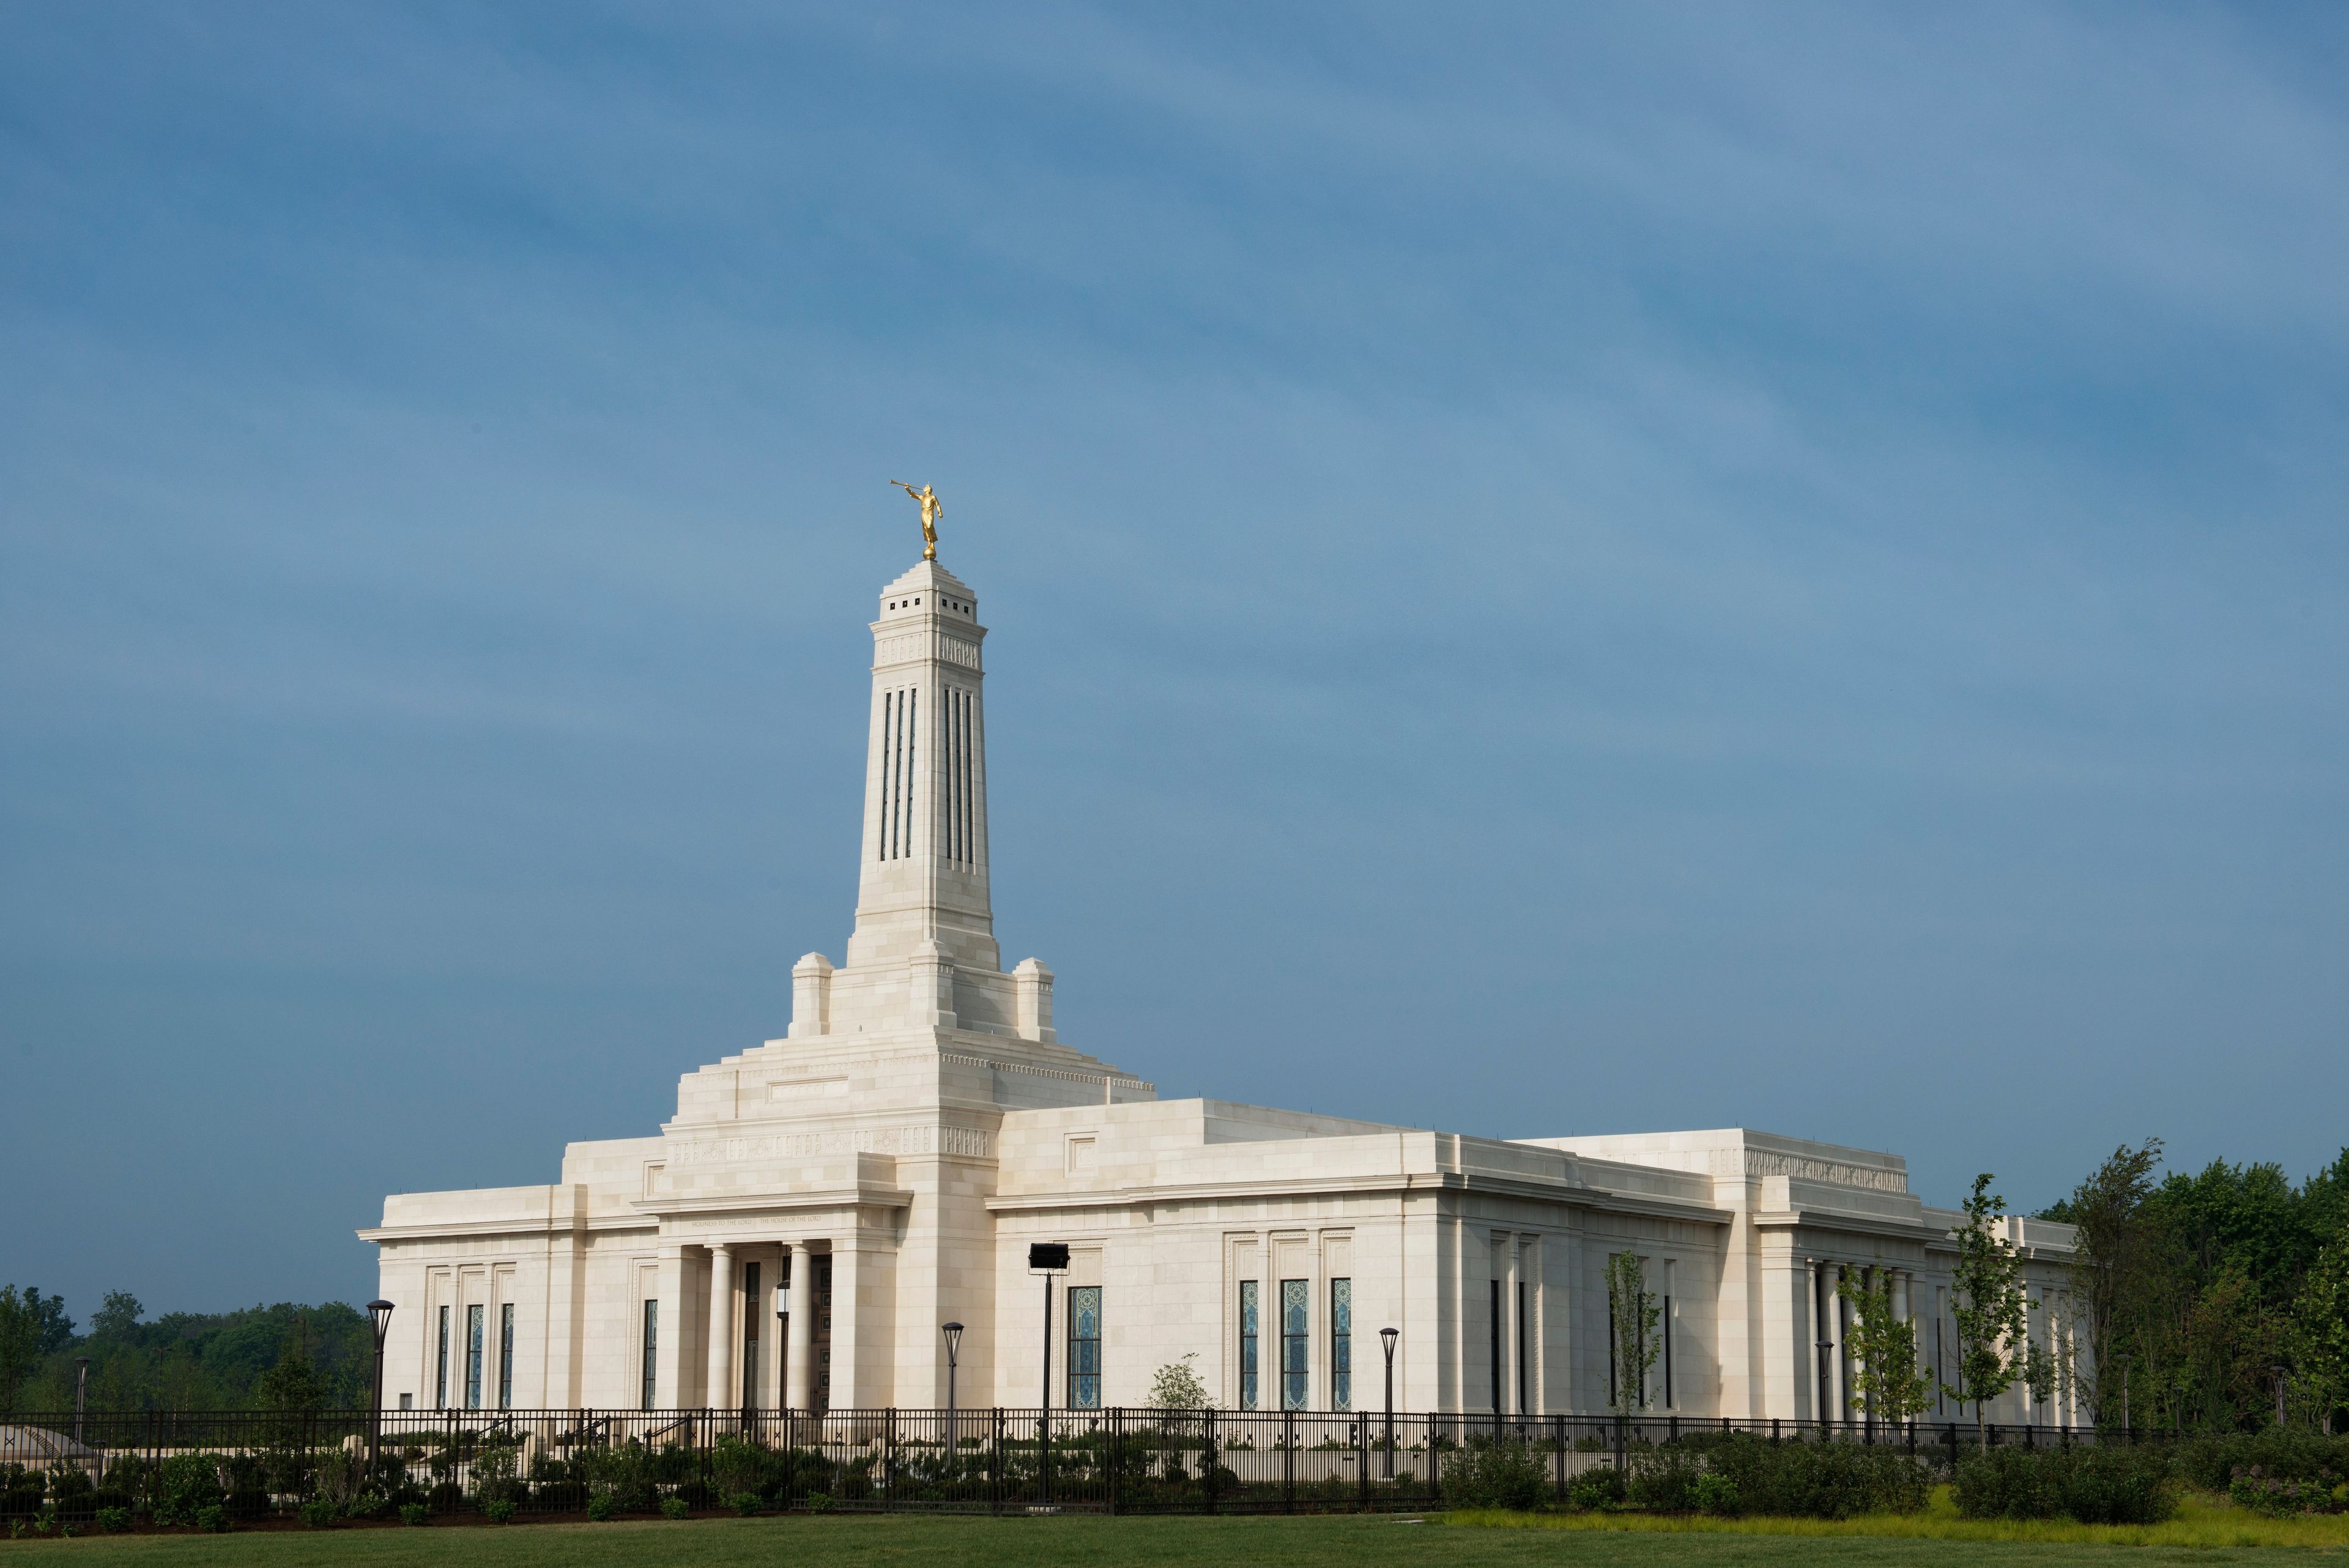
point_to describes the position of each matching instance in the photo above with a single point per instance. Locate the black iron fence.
(169, 1465)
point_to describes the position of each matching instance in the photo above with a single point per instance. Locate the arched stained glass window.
(1296, 1321)
(1084, 1347)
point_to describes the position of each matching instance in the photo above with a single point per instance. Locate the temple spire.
(924, 869)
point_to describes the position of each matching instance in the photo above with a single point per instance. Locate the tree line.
(2203, 1298)
(258, 1357)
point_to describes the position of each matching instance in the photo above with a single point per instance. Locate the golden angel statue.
(931, 512)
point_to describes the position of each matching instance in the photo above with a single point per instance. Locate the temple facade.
(819, 1206)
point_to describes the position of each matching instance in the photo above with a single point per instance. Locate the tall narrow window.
(440, 1374)
(1495, 1349)
(1525, 1362)
(1342, 1345)
(652, 1351)
(473, 1317)
(1614, 1354)
(905, 806)
(1084, 1347)
(751, 1301)
(1247, 1343)
(1668, 1353)
(505, 1356)
(1296, 1323)
(888, 773)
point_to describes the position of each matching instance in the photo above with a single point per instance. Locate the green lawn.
(838, 1541)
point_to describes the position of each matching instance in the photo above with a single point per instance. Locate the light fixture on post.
(783, 1346)
(953, 1331)
(1049, 1258)
(1387, 1337)
(378, 1313)
(81, 1393)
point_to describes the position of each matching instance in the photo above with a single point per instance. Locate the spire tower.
(924, 864)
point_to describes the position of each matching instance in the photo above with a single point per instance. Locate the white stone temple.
(796, 1234)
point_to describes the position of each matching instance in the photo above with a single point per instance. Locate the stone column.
(722, 1394)
(852, 1382)
(799, 1392)
(1838, 1364)
(671, 1385)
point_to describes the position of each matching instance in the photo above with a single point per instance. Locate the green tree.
(1175, 1385)
(1992, 1330)
(116, 1316)
(1885, 1378)
(2320, 1330)
(1633, 1316)
(32, 1327)
(2115, 1249)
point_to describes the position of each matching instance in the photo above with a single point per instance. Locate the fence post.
(1557, 1454)
(1113, 1459)
(995, 1467)
(1362, 1466)
(1207, 1462)
(1435, 1463)
(1288, 1460)
(1621, 1422)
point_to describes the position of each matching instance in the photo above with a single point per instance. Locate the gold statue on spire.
(931, 512)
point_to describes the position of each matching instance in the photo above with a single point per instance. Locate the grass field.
(1343, 1542)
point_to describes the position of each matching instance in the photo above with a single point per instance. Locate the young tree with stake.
(1992, 1329)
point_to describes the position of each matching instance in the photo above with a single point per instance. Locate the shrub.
(71, 1491)
(599, 1506)
(819, 1502)
(1664, 1480)
(2211, 1463)
(213, 1519)
(319, 1513)
(184, 1486)
(1598, 1489)
(414, 1514)
(2093, 1485)
(745, 1503)
(1495, 1473)
(2279, 1498)
(1817, 1480)
(674, 1507)
(500, 1510)
(1717, 1495)
(114, 1521)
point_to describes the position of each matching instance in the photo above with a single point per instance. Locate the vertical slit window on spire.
(954, 750)
(905, 805)
(888, 762)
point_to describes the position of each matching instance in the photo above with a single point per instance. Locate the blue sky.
(1553, 570)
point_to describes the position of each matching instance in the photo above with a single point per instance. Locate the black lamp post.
(378, 1311)
(784, 1347)
(2280, 1374)
(81, 1393)
(2125, 1382)
(953, 1331)
(1387, 1337)
(1826, 1380)
(1048, 1259)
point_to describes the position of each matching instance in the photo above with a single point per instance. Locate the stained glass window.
(505, 1356)
(652, 1350)
(1084, 1347)
(1296, 1318)
(1248, 1345)
(1342, 1345)
(440, 1373)
(473, 1316)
